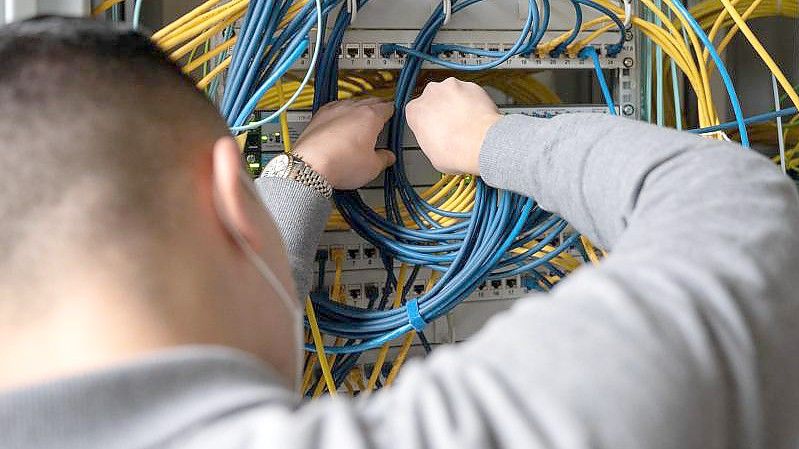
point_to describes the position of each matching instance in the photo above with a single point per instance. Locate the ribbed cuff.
(300, 213)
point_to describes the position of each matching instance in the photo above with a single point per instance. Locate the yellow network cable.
(673, 45)
(284, 123)
(671, 41)
(206, 35)
(182, 20)
(399, 360)
(202, 24)
(707, 11)
(319, 344)
(306, 378)
(590, 250)
(402, 278)
(207, 56)
(337, 255)
(105, 6)
(764, 55)
(338, 258)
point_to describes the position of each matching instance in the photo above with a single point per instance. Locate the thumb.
(386, 157)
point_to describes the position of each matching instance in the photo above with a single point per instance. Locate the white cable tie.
(780, 137)
(352, 8)
(628, 13)
(447, 4)
(720, 134)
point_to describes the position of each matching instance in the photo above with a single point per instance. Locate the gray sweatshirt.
(684, 337)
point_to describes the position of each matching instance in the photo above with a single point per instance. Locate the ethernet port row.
(464, 54)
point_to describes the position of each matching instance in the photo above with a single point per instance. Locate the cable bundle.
(472, 235)
(264, 52)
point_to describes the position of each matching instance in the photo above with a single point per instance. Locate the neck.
(76, 335)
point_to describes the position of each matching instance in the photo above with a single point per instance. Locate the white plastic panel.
(485, 15)
(15, 10)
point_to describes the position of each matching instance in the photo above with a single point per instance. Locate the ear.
(231, 196)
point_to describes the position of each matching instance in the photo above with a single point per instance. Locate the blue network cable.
(504, 234)
(617, 47)
(759, 118)
(264, 53)
(725, 76)
(578, 22)
(273, 78)
(477, 248)
(514, 50)
(603, 84)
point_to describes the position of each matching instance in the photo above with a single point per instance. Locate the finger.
(452, 80)
(329, 105)
(432, 85)
(369, 100)
(339, 103)
(410, 112)
(384, 110)
(386, 158)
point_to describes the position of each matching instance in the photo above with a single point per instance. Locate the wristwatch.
(292, 167)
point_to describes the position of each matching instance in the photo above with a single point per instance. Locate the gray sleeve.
(684, 337)
(300, 214)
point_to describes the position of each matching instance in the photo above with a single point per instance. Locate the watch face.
(278, 167)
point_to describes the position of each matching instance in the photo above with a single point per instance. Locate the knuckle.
(452, 81)
(430, 86)
(364, 111)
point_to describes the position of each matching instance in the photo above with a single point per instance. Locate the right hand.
(450, 121)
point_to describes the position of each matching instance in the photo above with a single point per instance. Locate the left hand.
(339, 142)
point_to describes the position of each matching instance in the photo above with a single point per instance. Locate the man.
(141, 280)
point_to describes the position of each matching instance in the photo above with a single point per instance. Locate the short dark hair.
(96, 118)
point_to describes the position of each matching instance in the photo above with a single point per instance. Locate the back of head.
(97, 129)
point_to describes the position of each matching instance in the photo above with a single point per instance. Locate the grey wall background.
(780, 37)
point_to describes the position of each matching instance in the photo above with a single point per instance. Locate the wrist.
(293, 167)
(316, 160)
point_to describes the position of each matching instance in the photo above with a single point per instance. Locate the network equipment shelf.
(625, 69)
(378, 57)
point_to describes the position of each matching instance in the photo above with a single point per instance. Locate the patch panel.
(356, 282)
(362, 49)
(358, 255)
(486, 15)
(352, 54)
